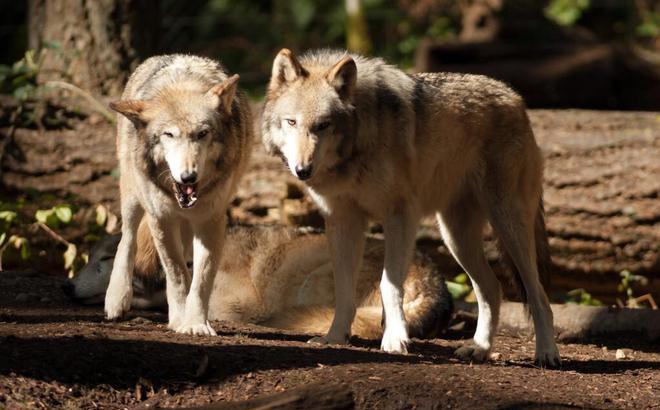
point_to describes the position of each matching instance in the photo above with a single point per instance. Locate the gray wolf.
(278, 277)
(183, 141)
(371, 141)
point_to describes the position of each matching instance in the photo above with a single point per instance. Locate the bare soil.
(58, 355)
(603, 216)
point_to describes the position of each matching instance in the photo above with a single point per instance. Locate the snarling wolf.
(278, 277)
(371, 141)
(183, 140)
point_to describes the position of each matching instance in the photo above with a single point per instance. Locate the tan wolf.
(278, 277)
(183, 141)
(371, 141)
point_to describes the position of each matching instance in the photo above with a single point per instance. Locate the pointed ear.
(343, 77)
(225, 91)
(286, 68)
(131, 109)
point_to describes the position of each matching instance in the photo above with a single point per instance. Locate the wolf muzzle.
(303, 172)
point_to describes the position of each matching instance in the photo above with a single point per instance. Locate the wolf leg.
(207, 250)
(515, 230)
(168, 242)
(400, 229)
(461, 227)
(346, 239)
(119, 294)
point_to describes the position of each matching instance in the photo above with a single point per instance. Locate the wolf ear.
(343, 77)
(286, 68)
(226, 91)
(131, 109)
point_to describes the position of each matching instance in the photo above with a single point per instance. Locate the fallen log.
(579, 322)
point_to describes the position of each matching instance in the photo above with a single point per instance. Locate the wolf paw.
(197, 329)
(117, 303)
(548, 358)
(395, 341)
(472, 352)
(329, 340)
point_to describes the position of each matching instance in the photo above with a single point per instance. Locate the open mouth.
(186, 194)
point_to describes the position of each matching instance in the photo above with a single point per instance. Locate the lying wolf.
(278, 277)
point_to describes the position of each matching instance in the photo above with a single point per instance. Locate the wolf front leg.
(169, 246)
(399, 229)
(119, 294)
(208, 241)
(346, 239)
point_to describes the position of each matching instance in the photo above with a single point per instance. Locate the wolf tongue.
(189, 189)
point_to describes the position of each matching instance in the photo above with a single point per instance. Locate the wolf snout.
(189, 177)
(303, 172)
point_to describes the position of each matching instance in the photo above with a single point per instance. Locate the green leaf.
(70, 255)
(2, 237)
(64, 213)
(8, 216)
(42, 215)
(22, 93)
(48, 217)
(101, 215)
(25, 250)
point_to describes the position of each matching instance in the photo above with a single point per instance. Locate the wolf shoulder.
(468, 92)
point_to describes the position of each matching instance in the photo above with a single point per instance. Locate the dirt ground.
(603, 216)
(58, 355)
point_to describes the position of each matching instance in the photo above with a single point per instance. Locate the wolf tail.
(543, 260)
(428, 307)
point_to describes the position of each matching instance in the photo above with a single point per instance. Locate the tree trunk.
(357, 35)
(93, 44)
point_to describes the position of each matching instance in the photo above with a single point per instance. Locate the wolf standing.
(372, 141)
(183, 142)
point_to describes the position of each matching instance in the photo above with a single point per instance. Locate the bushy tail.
(543, 260)
(428, 307)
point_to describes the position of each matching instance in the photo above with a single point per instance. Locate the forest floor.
(58, 355)
(603, 216)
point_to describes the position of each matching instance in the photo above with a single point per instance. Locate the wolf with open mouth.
(183, 140)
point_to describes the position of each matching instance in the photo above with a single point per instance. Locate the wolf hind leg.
(514, 225)
(461, 226)
(119, 293)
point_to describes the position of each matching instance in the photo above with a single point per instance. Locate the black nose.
(303, 172)
(188, 177)
(69, 288)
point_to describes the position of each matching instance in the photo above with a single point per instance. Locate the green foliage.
(628, 280)
(55, 216)
(566, 12)
(581, 297)
(8, 218)
(459, 287)
(649, 25)
(20, 79)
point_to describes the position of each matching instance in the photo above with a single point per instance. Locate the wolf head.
(90, 284)
(308, 113)
(183, 128)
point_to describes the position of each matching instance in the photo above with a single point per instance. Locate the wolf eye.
(168, 134)
(291, 122)
(202, 134)
(322, 126)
